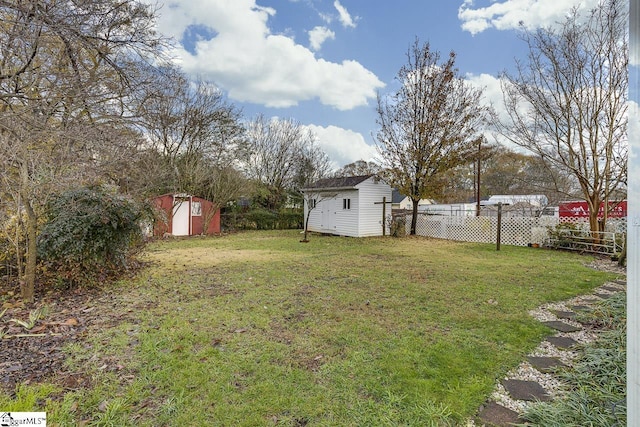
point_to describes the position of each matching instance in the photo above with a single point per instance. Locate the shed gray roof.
(338, 183)
(397, 196)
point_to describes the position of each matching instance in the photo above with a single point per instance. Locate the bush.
(89, 234)
(397, 226)
(262, 219)
(290, 219)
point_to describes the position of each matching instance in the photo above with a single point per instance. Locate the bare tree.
(429, 126)
(312, 164)
(567, 103)
(505, 171)
(280, 154)
(359, 167)
(312, 199)
(64, 74)
(219, 184)
(193, 133)
(188, 121)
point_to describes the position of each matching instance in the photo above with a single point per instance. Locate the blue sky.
(322, 62)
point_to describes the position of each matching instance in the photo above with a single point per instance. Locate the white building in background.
(348, 206)
(400, 201)
(535, 200)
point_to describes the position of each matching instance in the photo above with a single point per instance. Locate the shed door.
(328, 215)
(180, 221)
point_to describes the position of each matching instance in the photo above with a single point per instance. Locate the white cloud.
(491, 91)
(343, 146)
(254, 65)
(492, 97)
(509, 14)
(318, 36)
(345, 17)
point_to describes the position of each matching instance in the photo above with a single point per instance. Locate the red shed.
(186, 216)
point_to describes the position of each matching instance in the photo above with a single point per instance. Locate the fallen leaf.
(102, 407)
(240, 331)
(72, 321)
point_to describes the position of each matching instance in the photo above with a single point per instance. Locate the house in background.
(400, 201)
(348, 206)
(534, 200)
(186, 215)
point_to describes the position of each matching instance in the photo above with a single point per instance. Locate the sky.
(323, 62)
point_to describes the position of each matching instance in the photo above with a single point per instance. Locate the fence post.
(499, 226)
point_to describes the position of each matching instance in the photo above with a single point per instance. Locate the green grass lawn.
(259, 329)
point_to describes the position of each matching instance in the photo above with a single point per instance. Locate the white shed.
(348, 206)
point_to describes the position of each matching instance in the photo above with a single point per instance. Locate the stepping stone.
(526, 390)
(545, 364)
(561, 326)
(621, 282)
(580, 308)
(570, 315)
(493, 414)
(611, 288)
(563, 343)
(603, 296)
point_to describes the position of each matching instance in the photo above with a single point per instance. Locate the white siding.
(363, 219)
(347, 219)
(323, 207)
(371, 194)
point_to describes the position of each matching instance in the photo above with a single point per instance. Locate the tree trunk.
(306, 226)
(414, 217)
(27, 283)
(594, 224)
(622, 258)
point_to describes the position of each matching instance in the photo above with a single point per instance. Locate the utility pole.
(478, 178)
(633, 221)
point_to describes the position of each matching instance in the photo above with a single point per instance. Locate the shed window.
(196, 209)
(313, 203)
(346, 203)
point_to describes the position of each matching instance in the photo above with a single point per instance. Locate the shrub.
(397, 226)
(261, 219)
(89, 234)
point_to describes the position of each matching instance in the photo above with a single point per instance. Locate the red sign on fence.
(581, 210)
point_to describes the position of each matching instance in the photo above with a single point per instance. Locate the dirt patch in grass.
(37, 354)
(208, 257)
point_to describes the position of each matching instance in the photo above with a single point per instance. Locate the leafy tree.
(429, 126)
(567, 103)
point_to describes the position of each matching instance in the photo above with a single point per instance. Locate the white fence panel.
(517, 231)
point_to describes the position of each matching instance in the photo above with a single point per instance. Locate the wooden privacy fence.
(519, 231)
